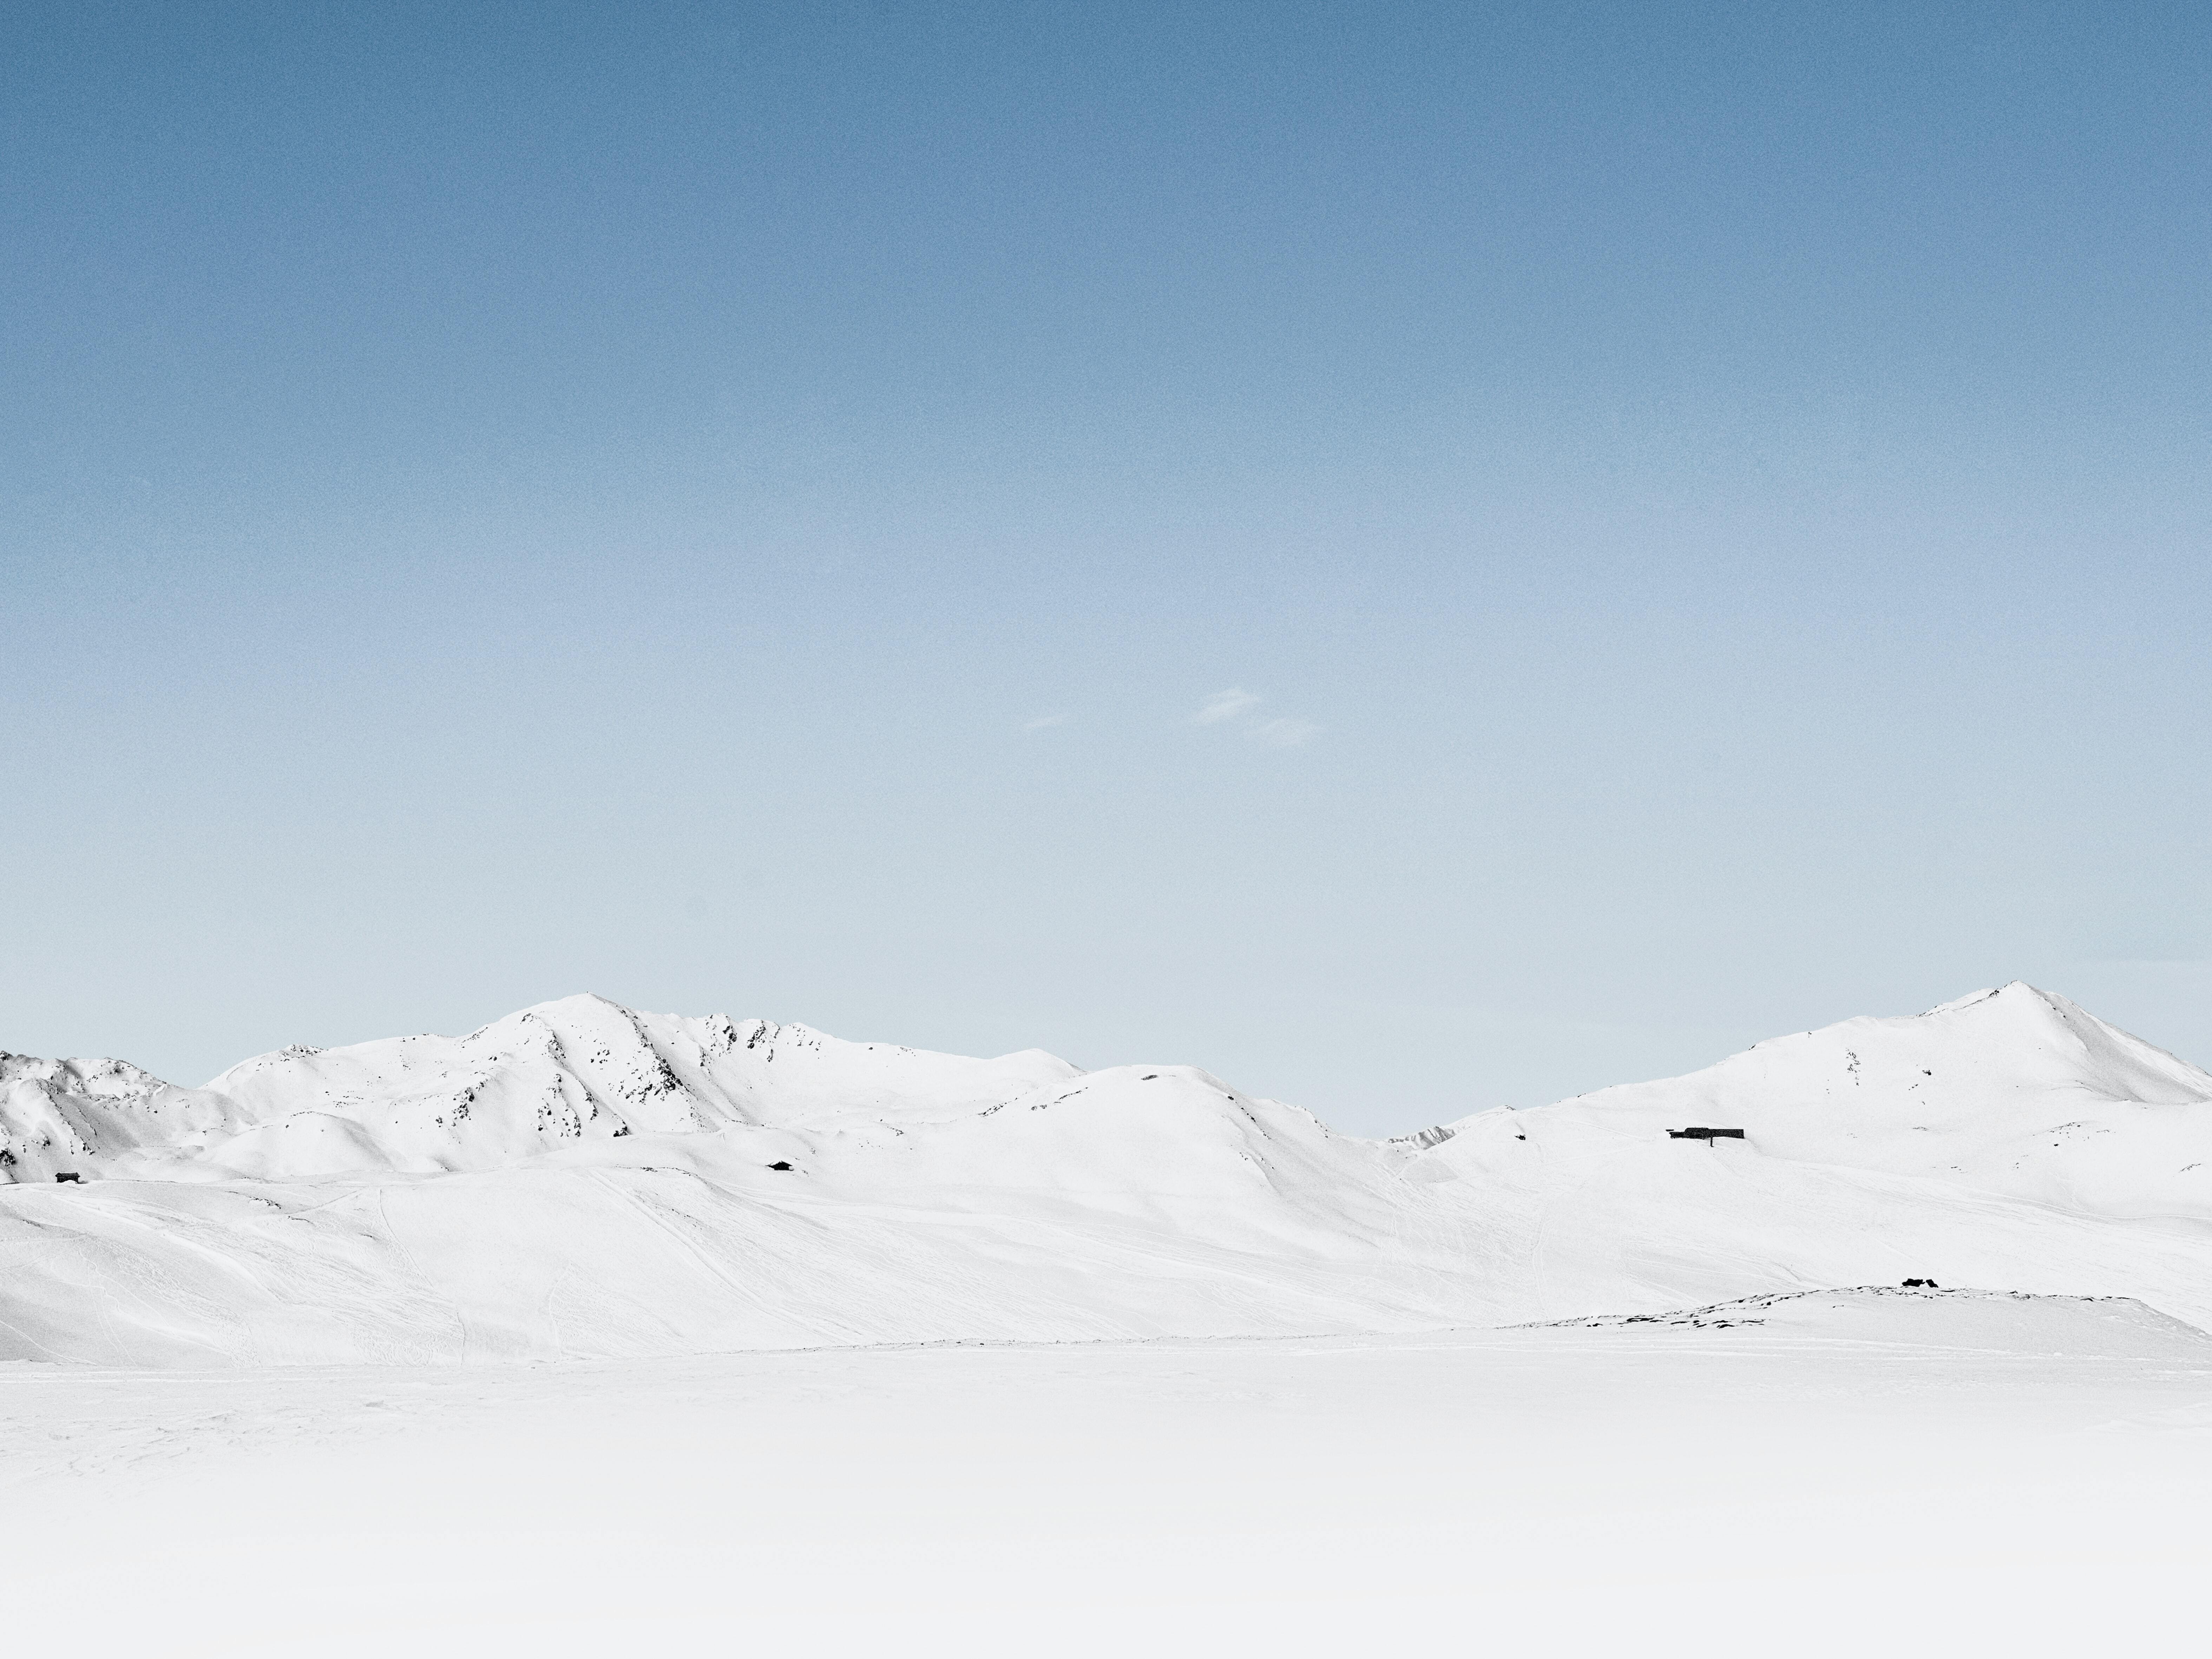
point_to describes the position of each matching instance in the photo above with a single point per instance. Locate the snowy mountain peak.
(570, 1071)
(1976, 1052)
(2040, 1034)
(585, 1068)
(2014, 1091)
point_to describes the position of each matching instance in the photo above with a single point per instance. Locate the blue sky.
(1691, 521)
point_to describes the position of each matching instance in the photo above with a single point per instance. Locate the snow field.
(1927, 1475)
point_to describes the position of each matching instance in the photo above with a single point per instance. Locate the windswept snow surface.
(1843, 1473)
(581, 1180)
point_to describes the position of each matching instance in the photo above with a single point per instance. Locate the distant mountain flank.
(583, 1179)
(2013, 1090)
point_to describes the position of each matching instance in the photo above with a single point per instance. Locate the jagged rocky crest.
(580, 1069)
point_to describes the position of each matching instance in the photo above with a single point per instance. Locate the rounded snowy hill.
(2009, 1139)
(2013, 1090)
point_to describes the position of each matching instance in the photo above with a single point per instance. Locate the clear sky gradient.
(1416, 557)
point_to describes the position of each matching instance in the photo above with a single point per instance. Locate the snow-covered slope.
(2007, 1139)
(581, 1179)
(1991, 1322)
(2014, 1091)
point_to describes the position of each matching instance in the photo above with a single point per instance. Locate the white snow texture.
(582, 1181)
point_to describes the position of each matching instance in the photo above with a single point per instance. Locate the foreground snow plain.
(1837, 1473)
(521, 1341)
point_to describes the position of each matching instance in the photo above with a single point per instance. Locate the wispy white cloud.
(1283, 734)
(1229, 705)
(1042, 721)
(1234, 709)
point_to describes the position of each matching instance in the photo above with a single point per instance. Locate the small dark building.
(1921, 1285)
(778, 1165)
(1704, 1135)
(69, 1174)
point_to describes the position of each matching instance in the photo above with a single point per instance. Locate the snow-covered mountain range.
(581, 1179)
